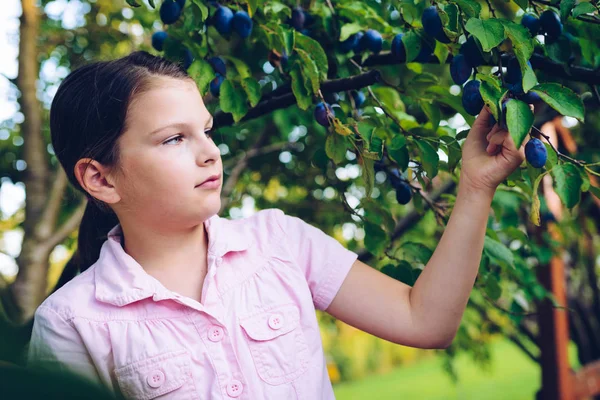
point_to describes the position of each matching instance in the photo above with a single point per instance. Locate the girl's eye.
(176, 137)
(209, 133)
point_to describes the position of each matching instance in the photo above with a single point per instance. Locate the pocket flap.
(154, 376)
(267, 325)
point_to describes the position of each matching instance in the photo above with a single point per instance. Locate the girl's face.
(166, 152)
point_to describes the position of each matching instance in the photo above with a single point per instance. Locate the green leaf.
(303, 96)
(491, 93)
(595, 191)
(202, 73)
(523, 47)
(490, 32)
(134, 3)
(583, 8)
(242, 69)
(376, 239)
(252, 88)
(253, 5)
(534, 217)
(449, 16)
(454, 152)
(433, 113)
(429, 157)
(519, 120)
(349, 30)
(412, 45)
(368, 174)
(398, 142)
(565, 8)
(567, 184)
(417, 251)
(313, 48)
(498, 251)
(523, 4)
(552, 159)
(470, 7)
(441, 51)
(335, 147)
(310, 70)
(233, 100)
(562, 99)
(585, 185)
(492, 287)
(400, 156)
(276, 7)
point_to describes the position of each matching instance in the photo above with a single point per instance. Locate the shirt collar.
(121, 280)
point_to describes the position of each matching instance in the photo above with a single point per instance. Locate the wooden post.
(557, 381)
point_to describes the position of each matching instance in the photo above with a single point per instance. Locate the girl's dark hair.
(87, 117)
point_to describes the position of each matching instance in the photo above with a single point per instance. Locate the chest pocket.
(277, 343)
(165, 376)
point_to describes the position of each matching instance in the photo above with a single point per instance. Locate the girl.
(176, 302)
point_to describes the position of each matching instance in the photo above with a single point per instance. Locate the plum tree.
(321, 113)
(222, 20)
(215, 85)
(242, 23)
(169, 12)
(372, 41)
(551, 25)
(460, 69)
(432, 23)
(536, 153)
(532, 23)
(359, 98)
(403, 193)
(218, 65)
(298, 18)
(398, 50)
(351, 43)
(158, 40)
(471, 50)
(471, 97)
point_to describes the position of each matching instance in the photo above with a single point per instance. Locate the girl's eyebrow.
(179, 125)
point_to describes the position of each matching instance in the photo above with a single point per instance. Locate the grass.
(512, 376)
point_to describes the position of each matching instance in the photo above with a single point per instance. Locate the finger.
(494, 131)
(499, 137)
(482, 123)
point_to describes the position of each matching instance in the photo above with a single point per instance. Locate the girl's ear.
(94, 178)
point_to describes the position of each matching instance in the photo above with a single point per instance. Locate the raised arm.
(428, 314)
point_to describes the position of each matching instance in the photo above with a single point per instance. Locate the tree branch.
(411, 219)
(67, 227)
(287, 99)
(234, 176)
(260, 151)
(47, 221)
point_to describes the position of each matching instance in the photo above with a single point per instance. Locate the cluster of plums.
(548, 24)
(301, 20)
(371, 40)
(158, 41)
(401, 186)
(320, 112)
(225, 21)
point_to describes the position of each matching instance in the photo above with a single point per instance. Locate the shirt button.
(215, 333)
(156, 378)
(276, 321)
(234, 388)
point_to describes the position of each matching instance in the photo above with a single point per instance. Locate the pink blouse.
(253, 336)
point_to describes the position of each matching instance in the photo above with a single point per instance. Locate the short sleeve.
(324, 261)
(57, 346)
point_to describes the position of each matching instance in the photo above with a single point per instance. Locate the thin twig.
(491, 8)
(580, 163)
